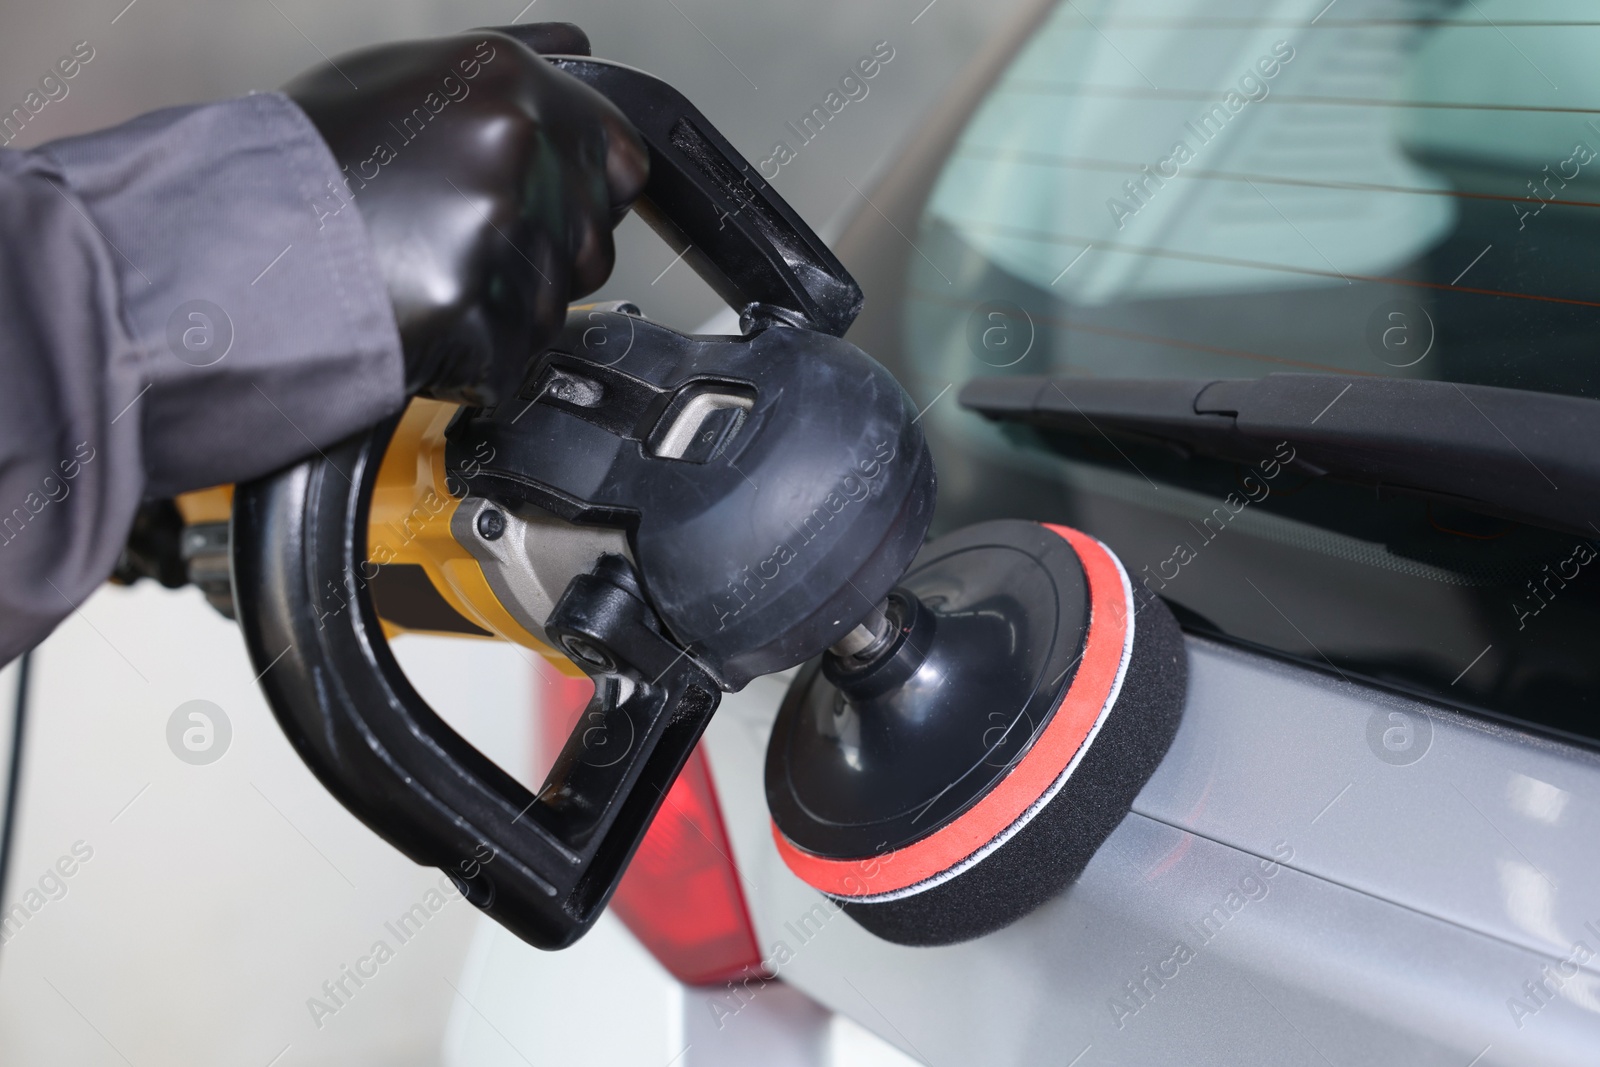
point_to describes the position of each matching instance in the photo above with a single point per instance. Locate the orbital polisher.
(673, 516)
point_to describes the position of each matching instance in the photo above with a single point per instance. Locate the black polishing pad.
(971, 772)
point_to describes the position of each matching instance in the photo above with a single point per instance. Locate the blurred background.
(750, 68)
(216, 900)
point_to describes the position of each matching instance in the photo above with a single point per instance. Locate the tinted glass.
(1204, 189)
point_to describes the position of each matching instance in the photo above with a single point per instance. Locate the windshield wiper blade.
(1532, 457)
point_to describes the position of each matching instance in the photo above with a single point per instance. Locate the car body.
(1367, 844)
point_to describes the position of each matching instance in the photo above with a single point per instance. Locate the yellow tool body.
(409, 523)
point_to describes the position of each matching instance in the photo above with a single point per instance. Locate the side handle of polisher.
(707, 202)
(301, 585)
(543, 864)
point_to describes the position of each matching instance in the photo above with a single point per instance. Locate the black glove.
(490, 183)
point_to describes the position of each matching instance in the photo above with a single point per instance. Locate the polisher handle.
(711, 205)
(543, 865)
(706, 201)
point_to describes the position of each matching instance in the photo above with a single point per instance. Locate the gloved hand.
(490, 183)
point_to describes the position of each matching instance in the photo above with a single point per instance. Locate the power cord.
(14, 774)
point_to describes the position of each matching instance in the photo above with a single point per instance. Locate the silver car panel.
(1320, 872)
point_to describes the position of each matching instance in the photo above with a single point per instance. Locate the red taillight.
(680, 897)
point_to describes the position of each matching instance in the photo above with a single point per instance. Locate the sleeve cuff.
(261, 324)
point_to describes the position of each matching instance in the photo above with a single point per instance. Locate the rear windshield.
(1229, 189)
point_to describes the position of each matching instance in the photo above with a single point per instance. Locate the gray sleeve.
(182, 304)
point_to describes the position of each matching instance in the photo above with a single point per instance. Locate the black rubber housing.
(782, 526)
